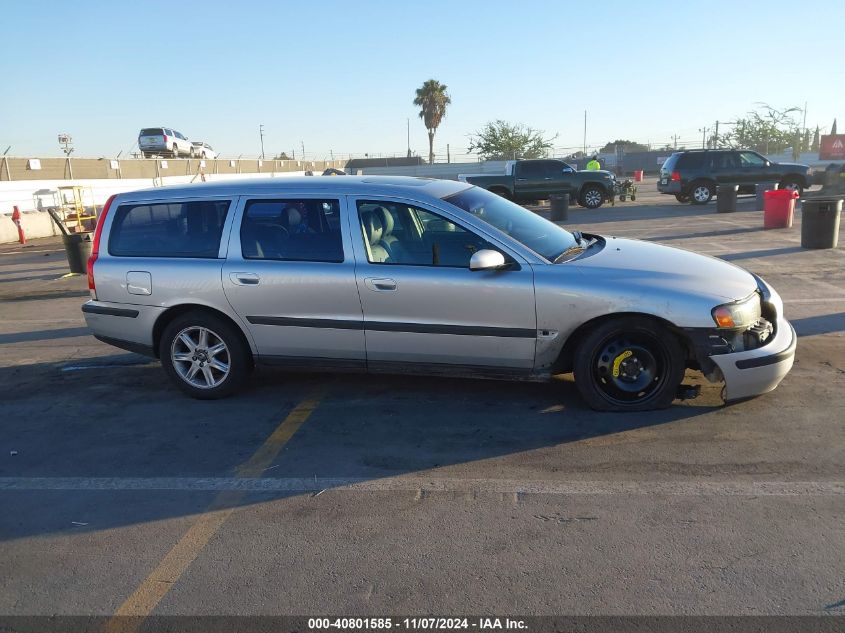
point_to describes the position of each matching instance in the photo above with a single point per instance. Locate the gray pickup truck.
(526, 180)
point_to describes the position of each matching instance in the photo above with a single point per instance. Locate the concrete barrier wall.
(16, 168)
(141, 174)
(445, 171)
(38, 223)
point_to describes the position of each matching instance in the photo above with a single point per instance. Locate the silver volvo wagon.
(417, 275)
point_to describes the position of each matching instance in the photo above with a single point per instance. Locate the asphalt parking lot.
(372, 495)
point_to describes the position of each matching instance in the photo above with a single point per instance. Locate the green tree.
(500, 140)
(432, 99)
(766, 130)
(815, 145)
(625, 146)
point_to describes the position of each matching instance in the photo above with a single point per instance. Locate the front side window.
(292, 230)
(178, 229)
(397, 233)
(532, 169)
(750, 159)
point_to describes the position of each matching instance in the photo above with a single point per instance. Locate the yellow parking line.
(130, 615)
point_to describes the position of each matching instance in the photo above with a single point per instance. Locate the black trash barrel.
(820, 222)
(761, 188)
(560, 207)
(726, 198)
(77, 249)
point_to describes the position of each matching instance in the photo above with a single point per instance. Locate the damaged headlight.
(740, 314)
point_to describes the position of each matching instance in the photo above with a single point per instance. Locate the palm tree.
(432, 99)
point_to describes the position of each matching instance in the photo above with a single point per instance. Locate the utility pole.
(261, 134)
(703, 131)
(675, 140)
(302, 145)
(585, 132)
(408, 121)
(716, 136)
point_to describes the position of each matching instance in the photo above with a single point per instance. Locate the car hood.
(796, 166)
(638, 266)
(601, 172)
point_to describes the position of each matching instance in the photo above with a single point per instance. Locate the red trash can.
(638, 176)
(778, 208)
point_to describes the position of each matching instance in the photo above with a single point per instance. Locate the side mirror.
(487, 259)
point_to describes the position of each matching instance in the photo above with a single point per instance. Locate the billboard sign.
(832, 147)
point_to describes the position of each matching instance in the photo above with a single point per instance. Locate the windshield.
(527, 228)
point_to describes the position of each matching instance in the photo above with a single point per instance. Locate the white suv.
(158, 141)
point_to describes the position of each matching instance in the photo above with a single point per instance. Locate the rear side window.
(177, 229)
(304, 230)
(151, 131)
(693, 160)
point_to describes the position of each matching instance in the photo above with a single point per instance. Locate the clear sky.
(340, 76)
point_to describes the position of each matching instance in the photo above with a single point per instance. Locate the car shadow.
(116, 417)
(688, 236)
(821, 324)
(770, 252)
(43, 335)
(579, 215)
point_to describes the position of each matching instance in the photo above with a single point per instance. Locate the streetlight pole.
(408, 121)
(261, 134)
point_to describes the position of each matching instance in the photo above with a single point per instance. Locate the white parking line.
(426, 484)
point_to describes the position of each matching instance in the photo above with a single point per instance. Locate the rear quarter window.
(177, 229)
(670, 162)
(695, 160)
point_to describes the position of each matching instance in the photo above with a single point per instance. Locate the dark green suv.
(693, 176)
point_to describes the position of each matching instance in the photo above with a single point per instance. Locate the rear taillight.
(676, 176)
(95, 247)
(165, 138)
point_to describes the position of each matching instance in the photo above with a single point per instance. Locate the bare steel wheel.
(204, 355)
(629, 364)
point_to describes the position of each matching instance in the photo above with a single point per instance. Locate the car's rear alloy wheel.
(701, 193)
(204, 355)
(175, 152)
(592, 198)
(629, 364)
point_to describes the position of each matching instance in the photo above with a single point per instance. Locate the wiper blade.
(572, 251)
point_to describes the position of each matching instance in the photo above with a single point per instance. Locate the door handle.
(244, 279)
(380, 284)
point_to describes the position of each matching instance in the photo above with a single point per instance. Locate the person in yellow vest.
(594, 165)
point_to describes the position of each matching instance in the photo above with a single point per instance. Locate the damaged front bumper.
(750, 364)
(757, 371)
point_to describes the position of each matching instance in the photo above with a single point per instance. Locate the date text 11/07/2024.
(416, 624)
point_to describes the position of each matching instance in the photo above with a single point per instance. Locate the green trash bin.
(820, 222)
(77, 250)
